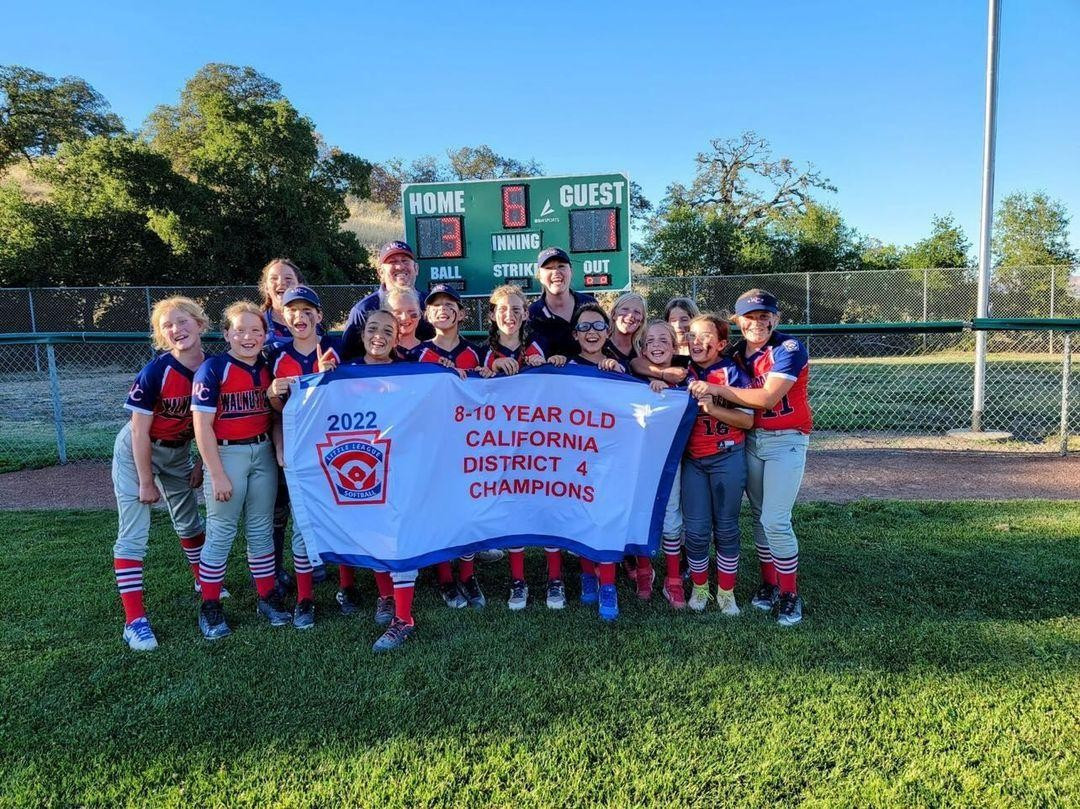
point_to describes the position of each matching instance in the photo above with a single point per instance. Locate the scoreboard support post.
(476, 235)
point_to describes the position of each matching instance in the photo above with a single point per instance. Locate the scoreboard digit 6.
(477, 235)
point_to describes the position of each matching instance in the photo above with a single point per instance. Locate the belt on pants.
(169, 442)
(255, 439)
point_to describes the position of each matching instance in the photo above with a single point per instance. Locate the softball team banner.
(402, 466)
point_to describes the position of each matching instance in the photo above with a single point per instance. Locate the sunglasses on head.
(593, 325)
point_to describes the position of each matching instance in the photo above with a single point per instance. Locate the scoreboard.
(478, 234)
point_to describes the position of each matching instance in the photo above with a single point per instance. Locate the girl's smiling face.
(628, 317)
(590, 337)
(757, 326)
(443, 313)
(380, 336)
(245, 336)
(180, 329)
(680, 321)
(302, 319)
(705, 343)
(407, 315)
(508, 312)
(279, 280)
(659, 347)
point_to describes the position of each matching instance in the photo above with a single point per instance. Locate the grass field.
(939, 664)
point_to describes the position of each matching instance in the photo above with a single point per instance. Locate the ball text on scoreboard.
(477, 235)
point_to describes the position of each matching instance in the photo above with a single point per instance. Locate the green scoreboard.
(476, 235)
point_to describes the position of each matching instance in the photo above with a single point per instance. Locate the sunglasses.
(594, 325)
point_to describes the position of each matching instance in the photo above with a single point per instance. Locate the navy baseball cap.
(756, 300)
(301, 293)
(443, 289)
(548, 253)
(395, 248)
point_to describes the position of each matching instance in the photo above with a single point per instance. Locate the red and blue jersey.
(402, 354)
(235, 393)
(520, 354)
(278, 333)
(786, 357)
(285, 360)
(709, 435)
(464, 354)
(162, 389)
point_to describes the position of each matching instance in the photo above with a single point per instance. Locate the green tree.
(946, 247)
(39, 112)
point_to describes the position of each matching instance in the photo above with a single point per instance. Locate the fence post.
(33, 328)
(808, 299)
(1053, 283)
(150, 319)
(1066, 369)
(693, 288)
(58, 412)
(925, 308)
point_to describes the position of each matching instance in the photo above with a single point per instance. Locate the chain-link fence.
(888, 389)
(827, 297)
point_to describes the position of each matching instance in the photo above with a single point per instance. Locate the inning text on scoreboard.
(477, 235)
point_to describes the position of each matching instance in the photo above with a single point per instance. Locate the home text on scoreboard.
(476, 235)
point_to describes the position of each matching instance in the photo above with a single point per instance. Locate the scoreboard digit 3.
(475, 235)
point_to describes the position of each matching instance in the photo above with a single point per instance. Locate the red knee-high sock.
(129, 583)
(192, 546)
(672, 565)
(445, 573)
(262, 570)
(465, 569)
(403, 595)
(517, 564)
(644, 563)
(588, 566)
(346, 576)
(305, 586)
(787, 572)
(554, 564)
(606, 571)
(384, 583)
(700, 577)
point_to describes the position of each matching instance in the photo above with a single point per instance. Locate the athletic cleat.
(699, 597)
(318, 574)
(645, 579)
(590, 587)
(470, 588)
(273, 608)
(490, 555)
(789, 609)
(673, 592)
(303, 616)
(556, 594)
(224, 593)
(394, 637)
(212, 621)
(451, 594)
(766, 597)
(519, 595)
(609, 602)
(139, 637)
(726, 600)
(384, 610)
(348, 599)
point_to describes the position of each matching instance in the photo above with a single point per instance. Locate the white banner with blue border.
(396, 467)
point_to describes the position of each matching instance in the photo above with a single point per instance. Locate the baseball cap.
(395, 248)
(443, 289)
(756, 300)
(548, 253)
(301, 293)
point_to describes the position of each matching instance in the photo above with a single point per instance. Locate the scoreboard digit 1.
(475, 235)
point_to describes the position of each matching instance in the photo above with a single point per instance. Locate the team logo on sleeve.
(356, 464)
(791, 345)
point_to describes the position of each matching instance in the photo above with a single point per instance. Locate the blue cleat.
(589, 588)
(394, 637)
(304, 614)
(609, 602)
(273, 608)
(212, 621)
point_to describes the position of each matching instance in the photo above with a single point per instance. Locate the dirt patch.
(831, 475)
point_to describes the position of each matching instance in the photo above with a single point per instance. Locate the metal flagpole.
(986, 225)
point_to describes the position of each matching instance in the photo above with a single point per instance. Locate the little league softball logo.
(356, 464)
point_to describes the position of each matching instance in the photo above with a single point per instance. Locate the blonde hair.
(186, 305)
(505, 291)
(234, 311)
(398, 294)
(268, 302)
(685, 304)
(631, 296)
(639, 338)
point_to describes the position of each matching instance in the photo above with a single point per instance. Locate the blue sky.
(885, 98)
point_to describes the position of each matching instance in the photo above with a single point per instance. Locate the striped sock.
(210, 579)
(699, 568)
(517, 563)
(787, 572)
(726, 568)
(554, 563)
(384, 583)
(765, 560)
(129, 583)
(305, 586)
(192, 546)
(262, 570)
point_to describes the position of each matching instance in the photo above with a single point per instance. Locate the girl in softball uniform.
(233, 422)
(591, 328)
(678, 313)
(627, 318)
(305, 353)
(714, 471)
(404, 304)
(507, 351)
(450, 349)
(778, 369)
(152, 458)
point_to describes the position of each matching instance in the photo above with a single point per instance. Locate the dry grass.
(34, 189)
(372, 223)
